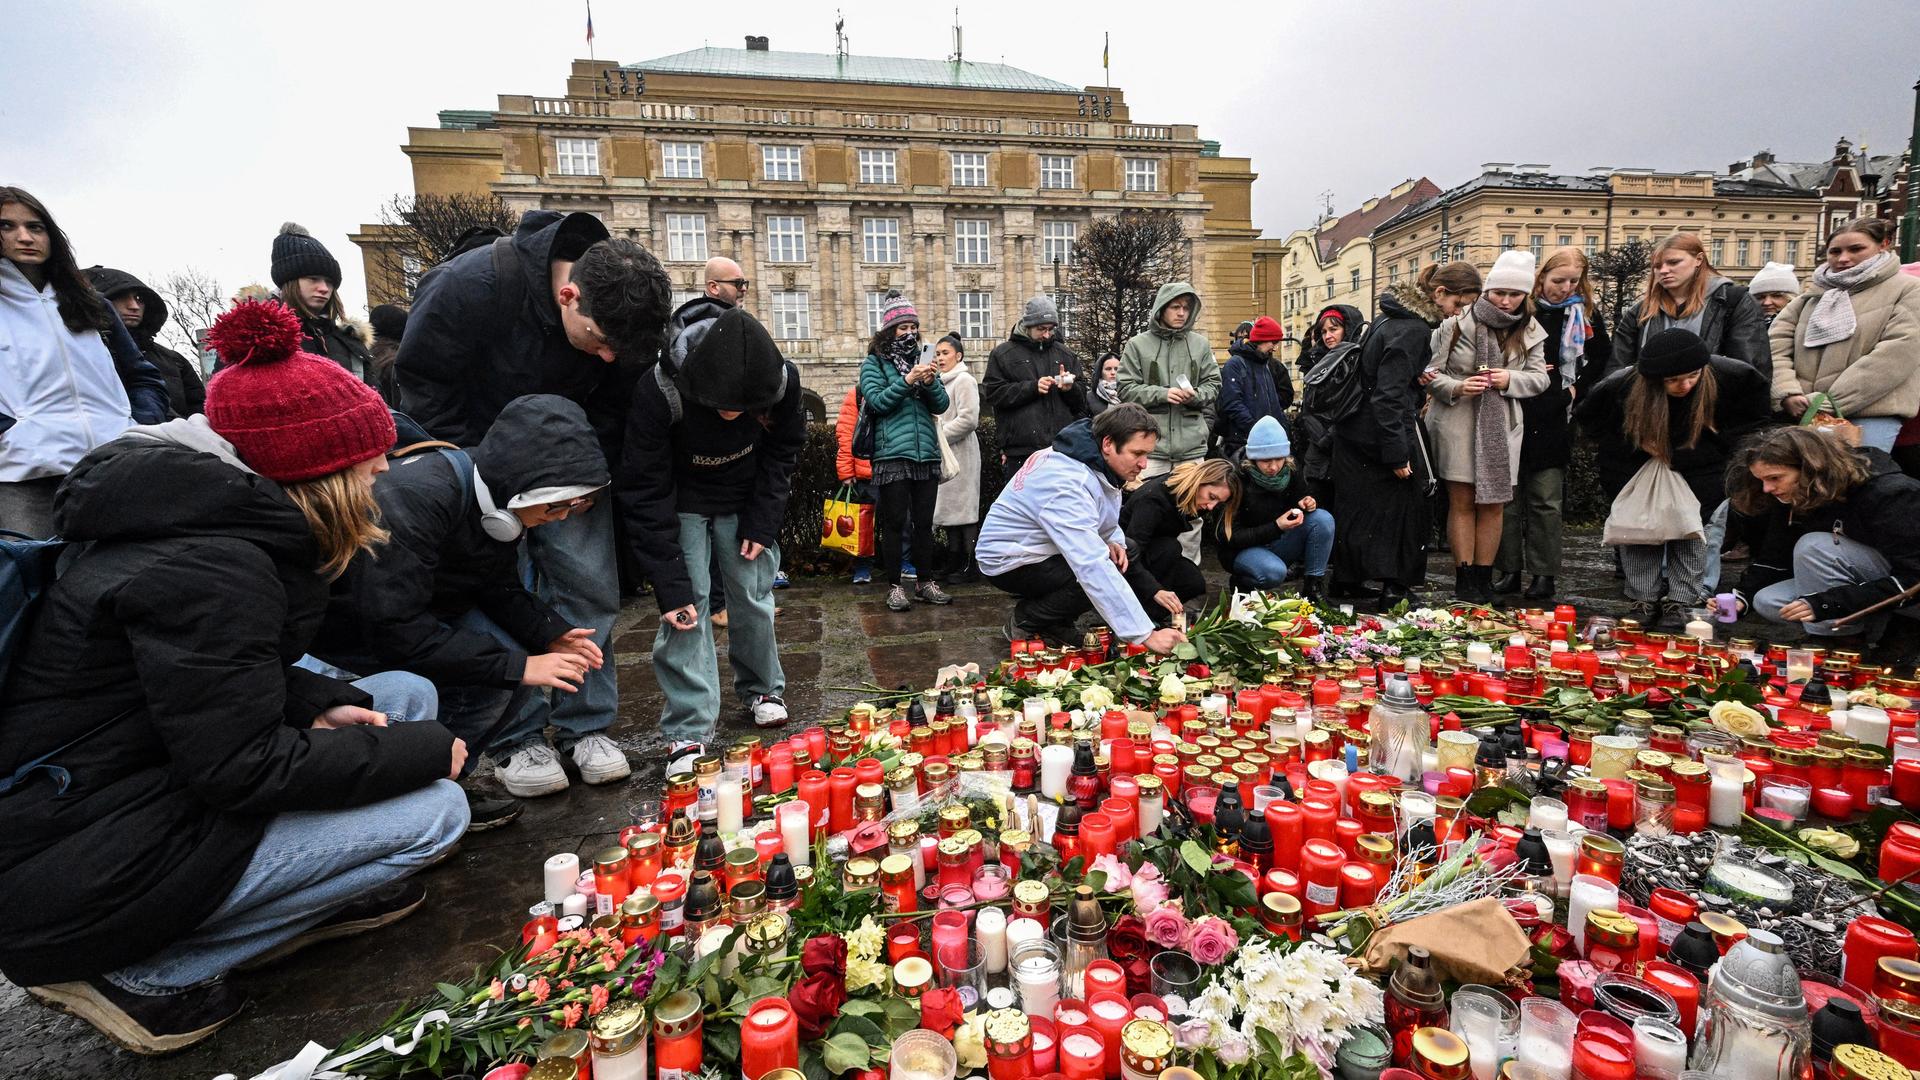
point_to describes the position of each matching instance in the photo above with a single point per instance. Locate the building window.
(1507, 241)
(1354, 284)
(879, 167)
(1717, 252)
(792, 316)
(686, 238)
(1566, 240)
(681, 296)
(1745, 249)
(1056, 241)
(1793, 253)
(787, 240)
(880, 240)
(780, 163)
(1459, 251)
(1593, 245)
(1329, 286)
(1063, 303)
(1766, 251)
(1393, 274)
(972, 243)
(1413, 267)
(577, 157)
(1056, 170)
(681, 161)
(969, 170)
(1536, 245)
(1143, 174)
(976, 315)
(876, 303)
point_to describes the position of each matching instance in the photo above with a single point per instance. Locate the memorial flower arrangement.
(1275, 1001)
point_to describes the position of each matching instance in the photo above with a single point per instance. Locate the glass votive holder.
(1547, 814)
(920, 1054)
(962, 967)
(1176, 979)
(1612, 756)
(1456, 749)
(1787, 794)
(1264, 794)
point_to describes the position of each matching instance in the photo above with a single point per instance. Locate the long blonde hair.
(1658, 299)
(343, 515)
(1188, 477)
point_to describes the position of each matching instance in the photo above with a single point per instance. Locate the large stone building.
(1849, 185)
(1743, 223)
(835, 178)
(1330, 263)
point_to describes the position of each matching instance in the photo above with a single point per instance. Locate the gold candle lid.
(904, 831)
(677, 1015)
(1721, 924)
(1030, 893)
(1148, 1039)
(1851, 1061)
(1152, 785)
(553, 1069)
(1008, 1027)
(1440, 1047)
(620, 1028)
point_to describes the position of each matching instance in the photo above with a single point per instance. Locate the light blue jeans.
(572, 566)
(1825, 560)
(684, 661)
(311, 863)
(1312, 540)
(1879, 431)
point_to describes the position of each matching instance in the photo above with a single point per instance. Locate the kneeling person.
(1160, 511)
(1279, 526)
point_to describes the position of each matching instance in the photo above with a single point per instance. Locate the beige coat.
(958, 502)
(1450, 421)
(1876, 372)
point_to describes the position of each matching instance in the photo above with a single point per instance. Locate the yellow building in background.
(1330, 263)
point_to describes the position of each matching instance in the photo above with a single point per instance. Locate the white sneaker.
(768, 711)
(600, 761)
(533, 770)
(681, 758)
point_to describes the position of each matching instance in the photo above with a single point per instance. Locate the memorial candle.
(990, 929)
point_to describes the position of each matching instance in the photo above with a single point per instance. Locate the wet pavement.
(833, 636)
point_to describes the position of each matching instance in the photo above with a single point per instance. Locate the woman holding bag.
(957, 507)
(1485, 359)
(1680, 411)
(902, 396)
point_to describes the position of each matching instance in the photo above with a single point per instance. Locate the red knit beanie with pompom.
(289, 414)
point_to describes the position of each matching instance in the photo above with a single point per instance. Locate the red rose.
(1199, 671)
(1139, 971)
(1128, 938)
(826, 953)
(816, 1000)
(941, 1011)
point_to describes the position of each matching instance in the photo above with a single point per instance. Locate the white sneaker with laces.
(680, 759)
(600, 761)
(532, 771)
(769, 711)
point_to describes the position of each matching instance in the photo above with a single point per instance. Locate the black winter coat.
(475, 342)
(339, 343)
(1742, 406)
(1392, 356)
(1148, 512)
(186, 391)
(1255, 524)
(1883, 513)
(1251, 386)
(1026, 420)
(1733, 325)
(163, 654)
(1548, 442)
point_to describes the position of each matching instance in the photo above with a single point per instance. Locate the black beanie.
(1673, 352)
(736, 367)
(296, 254)
(388, 320)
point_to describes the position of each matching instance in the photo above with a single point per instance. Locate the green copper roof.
(466, 119)
(826, 67)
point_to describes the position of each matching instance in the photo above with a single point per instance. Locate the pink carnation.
(1118, 877)
(1149, 889)
(1211, 940)
(1166, 926)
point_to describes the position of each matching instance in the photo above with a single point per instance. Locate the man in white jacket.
(1053, 537)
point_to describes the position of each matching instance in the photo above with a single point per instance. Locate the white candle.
(1700, 628)
(1479, 654)
(1557, 645)
(1837, 716)
(1587, 894)
(990, 929)
(1034, 710)
(1021, 931)
(1726, 801)
(1561, 847)
(1867, 724)
(1333, 770)
(1550, 1055)
(1039, 980)
(1412, 665)
(562, 871)
(729, 818)
(574, 904)
(1658, 1048)
(794, 818)
(710, 942)
(1547, 814)
(1150, 815)
(1056, 762)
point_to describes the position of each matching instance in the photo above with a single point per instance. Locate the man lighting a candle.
(1053, 537)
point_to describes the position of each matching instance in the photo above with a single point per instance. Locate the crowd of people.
(298, 601)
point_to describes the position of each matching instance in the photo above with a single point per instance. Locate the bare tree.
(418, 232)
(194, 299)
(1118, 265)
(1620, 272)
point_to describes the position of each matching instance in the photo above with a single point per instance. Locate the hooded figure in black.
(443, 598)
(186, 391)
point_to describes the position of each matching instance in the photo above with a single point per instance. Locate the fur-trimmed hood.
(1409, 301)
(360, 328)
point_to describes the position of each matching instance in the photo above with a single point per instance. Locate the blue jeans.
(573, 569)
(684, 661)
(1266, 566)
(311, 863)
(1879, 431)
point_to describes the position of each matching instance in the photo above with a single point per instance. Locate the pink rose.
(1166, 926)
(1149, 889)
(1211, 940)
(1118, 877)
(1193, 1034)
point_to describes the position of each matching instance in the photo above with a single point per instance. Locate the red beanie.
(1265, 329)
(290, 415)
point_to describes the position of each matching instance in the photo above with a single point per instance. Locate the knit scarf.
(1573, 336)
(1832, 318)
(1277, 482)
(903, 352)
(1109, 391)
(1492, 467)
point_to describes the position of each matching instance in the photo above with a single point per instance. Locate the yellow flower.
(1837, 844)
(866, 940)
(863, 972)
(970, 1043)
(1736, 719)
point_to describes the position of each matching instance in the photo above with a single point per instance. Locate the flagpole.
(1106, 57)
(590, 54)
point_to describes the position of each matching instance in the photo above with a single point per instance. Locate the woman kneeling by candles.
(1839, 532)
(179, 799)
(1279, 526)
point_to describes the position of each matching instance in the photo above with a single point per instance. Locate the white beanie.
(1512, 270)
(1775, 277)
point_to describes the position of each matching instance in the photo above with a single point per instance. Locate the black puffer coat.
(1256, 523)
(1026, 420)
(1395, 351)
(1883, 513)
(186, 390)
(163, 654)
(1548, 442)
(1740, 407)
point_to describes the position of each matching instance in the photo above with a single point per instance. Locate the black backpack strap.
(510, 287)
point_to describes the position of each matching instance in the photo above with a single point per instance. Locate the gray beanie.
(1040, 311)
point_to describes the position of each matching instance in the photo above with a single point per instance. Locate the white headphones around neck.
(502, 525)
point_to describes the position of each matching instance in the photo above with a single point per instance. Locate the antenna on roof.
(839, 35)
(1326, 204)
(956, 57)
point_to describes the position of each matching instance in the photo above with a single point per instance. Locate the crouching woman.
(1839, 528)
(179, 798)
(1279, 527)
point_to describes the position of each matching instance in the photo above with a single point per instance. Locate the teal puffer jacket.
(903, 425)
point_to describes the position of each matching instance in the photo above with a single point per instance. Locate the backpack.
(28, 568)
(1334, 388)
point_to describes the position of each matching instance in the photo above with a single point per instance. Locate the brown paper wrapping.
(1476, 942)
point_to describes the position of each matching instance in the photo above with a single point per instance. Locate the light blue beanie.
(1268, 440)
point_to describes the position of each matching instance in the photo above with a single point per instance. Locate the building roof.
(827, 67)
(1349, 227)
(1592, 183)
(467, 119)
(1812, 176)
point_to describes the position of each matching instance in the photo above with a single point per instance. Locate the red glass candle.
(813, 791)
(1109, 1013)
(1320, 816)
(1255, 704)
(1082, 1054)
(840, 785)
(869, 771)
(817, 743)
(1105, 975)
(1906, 783)
(780, 769)
(1320, 863)
(1835, 802)
(1097, 836)
(1899, 854)
(769, 1037)
(1347, 833)
(1286, 881)
(1672, 911)
(1600, 1054)
(1869, 938)
(1620, 804)
(903, 941)
(1126, 821)
(1860, 776)
(1649, 930)
(1044, 1055)
(1358, 885)
(1679, 984)
(1287, 822)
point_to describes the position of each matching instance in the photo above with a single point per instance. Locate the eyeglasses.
(738, 283)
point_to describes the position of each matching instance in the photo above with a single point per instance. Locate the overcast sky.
(176, 134)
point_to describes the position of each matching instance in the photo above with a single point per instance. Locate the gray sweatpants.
(1685, 563)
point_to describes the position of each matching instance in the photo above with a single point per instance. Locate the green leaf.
(1269, 1043)
(869, 1032)
(723, 1041)
(845, 1053)
(1097, 881)
(862, 1007)
(452, 993)
(1196, 857)
(761, 986)
(811, 1065)
(1185, 651)
(902, 1016)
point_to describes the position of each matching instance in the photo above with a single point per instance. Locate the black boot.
(1463, 583)
(1541, 587)
(1479, 585)
(1313, 588)
(1507, 584)
(1393, 593)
